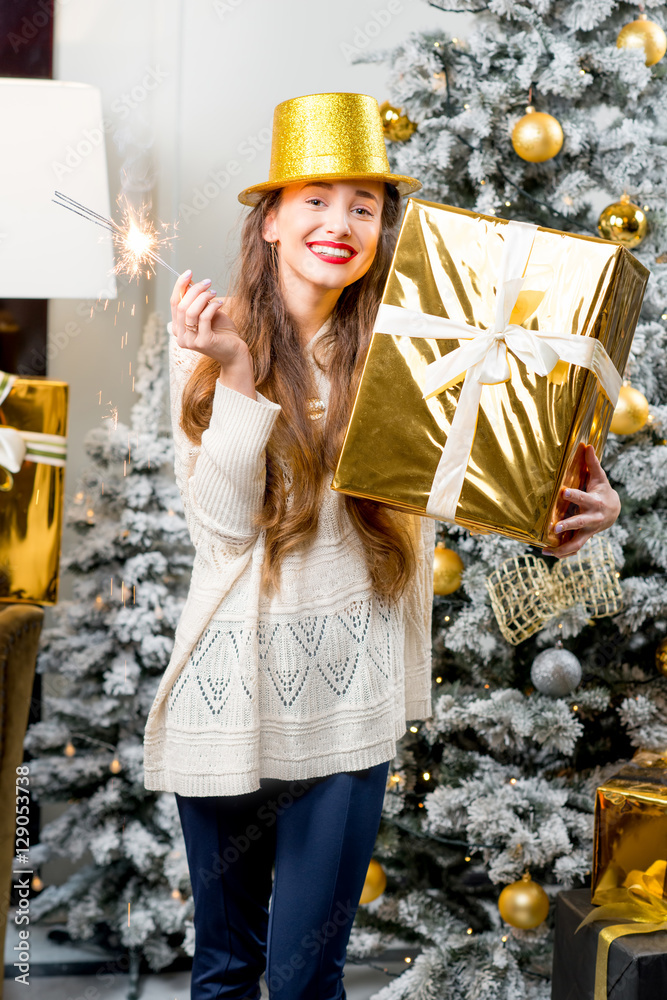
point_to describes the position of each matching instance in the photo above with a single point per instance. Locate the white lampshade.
(53, 139)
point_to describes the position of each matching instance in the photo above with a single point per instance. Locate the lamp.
(53, 138)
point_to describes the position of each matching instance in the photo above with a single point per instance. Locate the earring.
(274, 256)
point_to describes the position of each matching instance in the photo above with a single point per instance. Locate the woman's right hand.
(199, 324)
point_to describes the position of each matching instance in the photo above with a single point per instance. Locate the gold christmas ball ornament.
(661, 657)
(537, 136)
(524, 904)
(447, 568)
(375, 884)
(646, 35)
(623, 223)
(631, 411)
(396, 126)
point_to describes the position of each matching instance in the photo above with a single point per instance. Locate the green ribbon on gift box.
(641, 901)
(17, 446)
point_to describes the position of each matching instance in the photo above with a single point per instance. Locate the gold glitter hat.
(327, 137)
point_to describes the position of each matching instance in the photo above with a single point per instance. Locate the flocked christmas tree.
(109, 647)
(502, 778)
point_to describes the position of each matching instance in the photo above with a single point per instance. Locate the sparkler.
(135, 238)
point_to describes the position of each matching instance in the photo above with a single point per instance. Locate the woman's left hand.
(599, 506)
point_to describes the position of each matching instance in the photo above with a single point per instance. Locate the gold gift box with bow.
(630, 825)
(629, 875)
(33, 428)
(535, 322)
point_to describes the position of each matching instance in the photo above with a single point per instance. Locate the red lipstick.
(332, 258)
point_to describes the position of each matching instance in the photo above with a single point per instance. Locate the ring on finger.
(193, 328)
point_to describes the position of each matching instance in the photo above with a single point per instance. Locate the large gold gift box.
(494, 322)
(33, 429)
(630, 829)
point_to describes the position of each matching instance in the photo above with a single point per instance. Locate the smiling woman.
(339, 227)
(304, 648)
(280, 304)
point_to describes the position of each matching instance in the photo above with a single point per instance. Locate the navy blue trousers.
(303, 846)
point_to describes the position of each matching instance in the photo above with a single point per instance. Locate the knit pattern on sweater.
(318, 678)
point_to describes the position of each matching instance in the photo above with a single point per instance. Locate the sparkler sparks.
(135, 238)
(113, 416)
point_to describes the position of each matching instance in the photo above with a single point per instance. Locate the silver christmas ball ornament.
(555, 672)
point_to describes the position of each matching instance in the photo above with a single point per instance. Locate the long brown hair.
(304, 448)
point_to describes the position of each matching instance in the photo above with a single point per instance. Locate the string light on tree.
(623, 222)
(644, 35)
(537, 136)
(631, 411)
(396, 126)
(115, 766)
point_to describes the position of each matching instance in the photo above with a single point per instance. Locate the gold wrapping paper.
(532, 430)
(630, 829)
(31, 499)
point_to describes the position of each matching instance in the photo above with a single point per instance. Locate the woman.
(304, 646)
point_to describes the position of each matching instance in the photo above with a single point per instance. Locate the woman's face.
(327, 231)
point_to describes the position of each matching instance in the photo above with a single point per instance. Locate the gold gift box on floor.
(33, 428)
(493, 451)
(630, 826)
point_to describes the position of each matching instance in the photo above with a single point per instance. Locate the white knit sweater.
(319, 678)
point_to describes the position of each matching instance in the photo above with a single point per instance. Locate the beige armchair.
(20, 627)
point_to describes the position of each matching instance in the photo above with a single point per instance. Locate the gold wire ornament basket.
(525, 594)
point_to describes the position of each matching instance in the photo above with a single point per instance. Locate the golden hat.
(327, 137)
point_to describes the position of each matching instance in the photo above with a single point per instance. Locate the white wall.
(239, 60)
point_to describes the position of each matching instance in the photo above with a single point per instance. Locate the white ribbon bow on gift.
(483, 360)
(17, 445)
